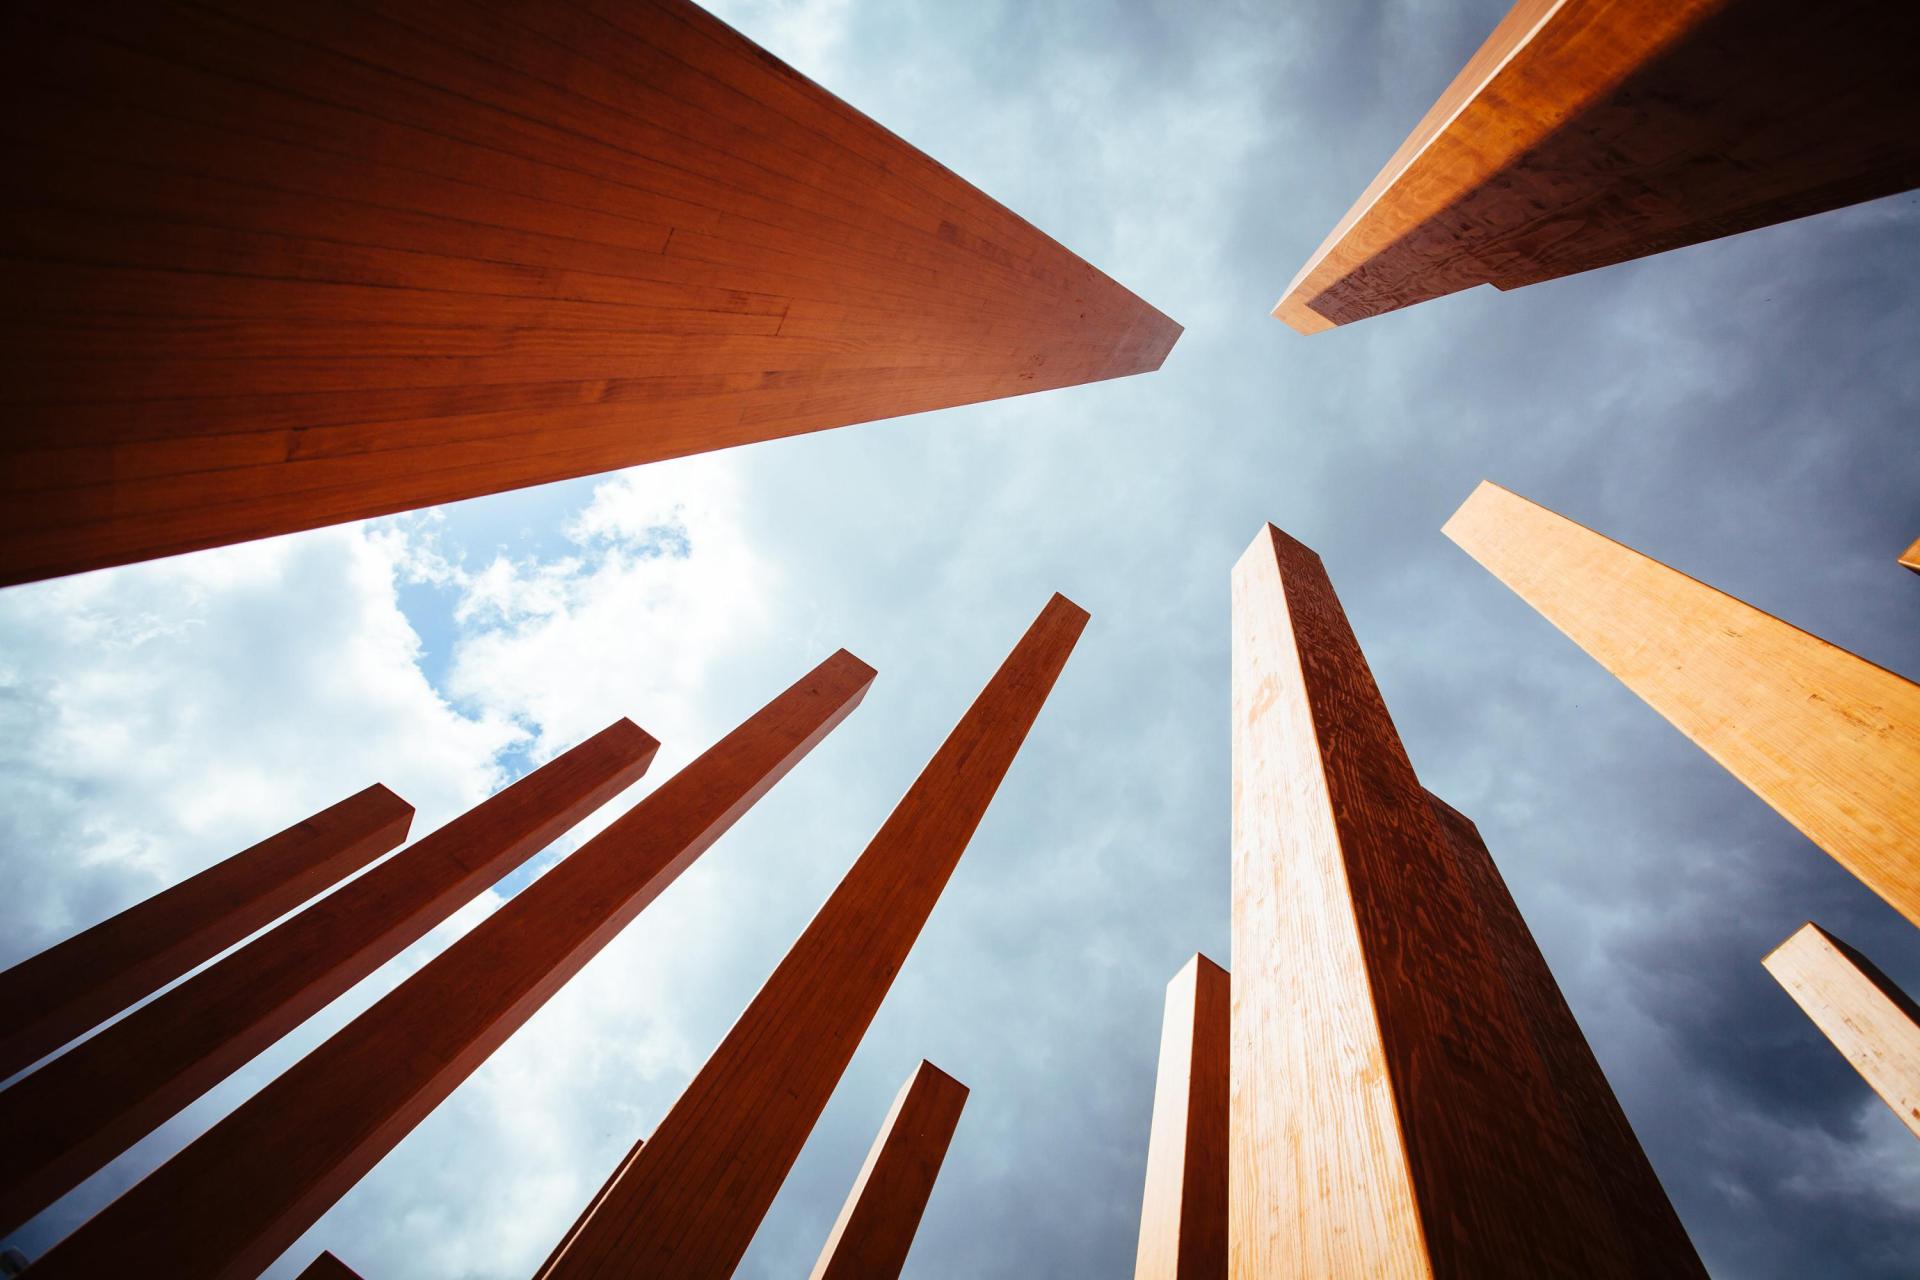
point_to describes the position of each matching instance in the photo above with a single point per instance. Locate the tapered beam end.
(1911, 556)
(1298, 316)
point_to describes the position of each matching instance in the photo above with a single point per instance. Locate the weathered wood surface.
(280, 266)
(75, 985)
(73, 1115)
(687, 1204)
(1588, 132)
(874, 1232)
(1830, 740)
(240, 1194)
(1183, 1213)
(1644, 1221)
(1872, 1022)
(1391, 1115)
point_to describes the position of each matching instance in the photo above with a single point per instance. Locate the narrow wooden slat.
(1588, 132)
(1873, 1023)
(1183, 1214)
(688, 1202)
(75, 985)
(244, 1191)
(1830, 740)
(874, 1232)
(1391, 1115)
(66, 1120)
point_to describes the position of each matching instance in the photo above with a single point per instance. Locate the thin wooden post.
(687, 1205)
(1873, 1023)
(874, 1232)
(75, 985)
(1183, 1215)
(240, 1194)
(79, 1111)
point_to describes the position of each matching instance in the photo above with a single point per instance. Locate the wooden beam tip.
(632, 738)
(944, 1079)
(1062, 604)
(1300, 317)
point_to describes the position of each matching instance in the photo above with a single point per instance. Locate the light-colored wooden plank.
(874, 1232)
(1830, 740)
(1911, 556)
(687, 1204)
(1873, 1023)
(241, 1193)
(1183, 1213)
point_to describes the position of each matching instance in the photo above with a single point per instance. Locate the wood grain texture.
(1872, 1022)
(1830, 740)
(274, 267)
(241, 1193)
(1183, 1214)
(1911, 556)
(687, 1205)
(75, 985)
(1643, 1218)
(1588, 132)
(1390, 1113)
(66, 1120)
(874, 1232)
(328, 1267)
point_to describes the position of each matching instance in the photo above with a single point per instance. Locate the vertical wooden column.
(1390, 1114)
(687, 1205)
(1830, 740)
(1645, 1223)
(79, 1111)
(1873, 1023)
(246, 1189)
(1183, 1216)
(871, 1238)
(75, 985)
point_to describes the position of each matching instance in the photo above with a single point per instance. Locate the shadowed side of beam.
(1589, 132)
(79, 1111)
(1183, 1214)
(874, 1232)
(239, 1195)
(1391, 1116)
(1830, 740)
(1871, 1021)
(688, 1205)
(75, 985)
(1646, 1225)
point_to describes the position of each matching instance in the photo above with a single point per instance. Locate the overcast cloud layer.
(1745, 411)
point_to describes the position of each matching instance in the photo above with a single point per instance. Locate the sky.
(1743, 410)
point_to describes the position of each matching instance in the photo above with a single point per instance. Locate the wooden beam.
(686, 1207)
(1873, 1023)
(68, 1119)
(1183, 1216)
(1645, 1224)
(1391, 1116)
(1830, 740)
(72, 987)
(1911, 556)
(871, 1238)
(245, 1190)
(285, 266)
(328, 1267)
(1588, 132)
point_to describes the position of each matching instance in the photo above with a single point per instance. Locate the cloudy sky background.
(1744, 410)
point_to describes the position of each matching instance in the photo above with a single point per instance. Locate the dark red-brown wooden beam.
(79, 1111)
(1588, 132)
(874, 1232)
(273, 267)
(241, 1193)
(72, 987)
(328, 1267)
(685, 1205)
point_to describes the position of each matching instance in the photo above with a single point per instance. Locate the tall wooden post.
(75, 985)
(687, 1204)
(875, 1230)
(1183, 1216)
(1830, 740)
(1873, 1023)
(1589, 132)
(1391, 1116)
(242, 1192)
(79, 1111)
(1645, 1223)
(280, 266)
